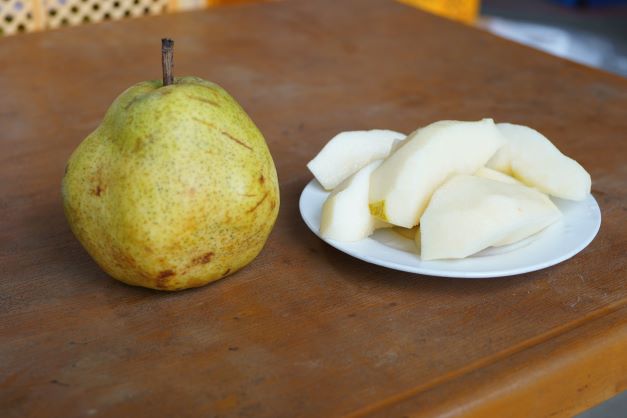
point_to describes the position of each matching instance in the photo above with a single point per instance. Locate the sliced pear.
(402, 186)
(533, 159)
(347, 152)
(488, 173)
(469, 213)
(345, 213)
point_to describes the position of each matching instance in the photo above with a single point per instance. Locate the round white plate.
(576, 229)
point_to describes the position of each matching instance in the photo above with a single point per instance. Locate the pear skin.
(175, 189)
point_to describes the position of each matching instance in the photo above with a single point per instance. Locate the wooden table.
(304, 330)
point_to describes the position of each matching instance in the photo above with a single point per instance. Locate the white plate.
(558, 242)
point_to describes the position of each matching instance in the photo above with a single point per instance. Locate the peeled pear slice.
(469, 213)
(345, 213)
(533, 159)
(488, 173)
(347, 152)
(402, 186)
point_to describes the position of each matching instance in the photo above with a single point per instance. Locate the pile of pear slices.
(467, 185)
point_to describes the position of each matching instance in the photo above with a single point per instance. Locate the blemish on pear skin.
(224, 274)
(203, 259)
(231, 137)
(211, 89)
(162, 278)
(132, 102)
(165, 273)
(202, 99)
(98, 190)
(122, 259)
(262, 179)
(228, 135)
(204, 122)
(138, 145)
(258, 203)
(141, 142)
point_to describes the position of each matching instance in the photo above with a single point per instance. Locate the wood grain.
(304, 330)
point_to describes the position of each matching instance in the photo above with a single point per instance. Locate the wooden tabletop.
(304, 330)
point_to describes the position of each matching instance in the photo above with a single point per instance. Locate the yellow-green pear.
(175, 189)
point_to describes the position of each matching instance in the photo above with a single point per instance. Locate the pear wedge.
(530, 157)
(347, 152)
(469, 213)
(345, 213)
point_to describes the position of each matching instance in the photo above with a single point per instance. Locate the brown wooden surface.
(304, 330)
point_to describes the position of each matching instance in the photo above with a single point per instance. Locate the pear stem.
(167, 60)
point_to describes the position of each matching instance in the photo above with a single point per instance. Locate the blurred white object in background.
(584, 48)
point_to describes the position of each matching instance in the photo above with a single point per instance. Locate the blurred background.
(591, 32)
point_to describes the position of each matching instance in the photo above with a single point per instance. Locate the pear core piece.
(402, 186)
(533, 159)
(468, 214)
(347, 152)
(176, 188)
(345, 213)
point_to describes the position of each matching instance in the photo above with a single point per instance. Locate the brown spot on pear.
(162, 280)
(265, 195)
(204, 100)
(203, 259)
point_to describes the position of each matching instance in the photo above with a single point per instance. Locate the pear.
(469, 213)
(345, 213)
(176, 188)
(533, 159)
(348, 152)
(403, 184)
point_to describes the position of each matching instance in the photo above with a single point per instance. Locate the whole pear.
(175, 189)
